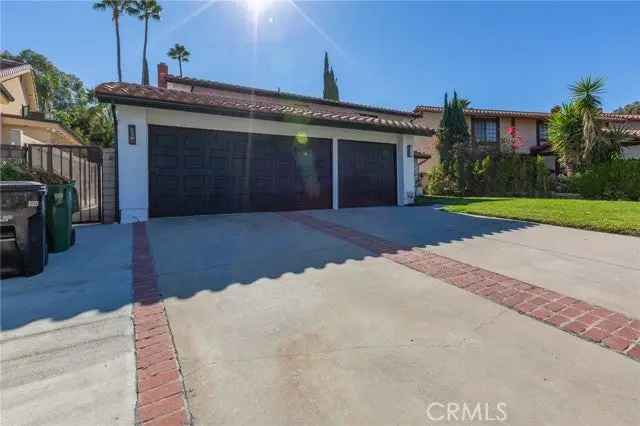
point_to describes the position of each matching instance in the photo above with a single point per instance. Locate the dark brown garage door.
(194, 171)
(367, 174)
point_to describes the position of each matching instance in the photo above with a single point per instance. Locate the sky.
(504, 55)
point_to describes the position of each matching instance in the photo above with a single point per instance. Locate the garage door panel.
(166, 161)
(196, 161)
(206, 172)
(367, 174)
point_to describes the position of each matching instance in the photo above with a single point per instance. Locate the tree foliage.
(65, 97)
(179, 53)
(632, 108)
(565, 135)
(577, 133)
(585, 94)
(453, 135)
(330, 90)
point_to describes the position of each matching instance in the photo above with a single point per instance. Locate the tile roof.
(635, 133)
(10, 63)
(150, 96)
(481, 112)
(283, 95)
(10, 67)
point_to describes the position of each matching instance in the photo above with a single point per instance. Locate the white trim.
(133, 160)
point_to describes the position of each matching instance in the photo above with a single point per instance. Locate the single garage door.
(367, 174)
(193, 171)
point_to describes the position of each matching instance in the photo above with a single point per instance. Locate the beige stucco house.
(21, 122)
(490, 125)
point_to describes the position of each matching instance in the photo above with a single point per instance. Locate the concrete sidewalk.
(66, 343)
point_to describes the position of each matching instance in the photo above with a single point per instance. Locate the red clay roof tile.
(136, 94)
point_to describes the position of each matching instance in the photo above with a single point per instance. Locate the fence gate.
(83, 165)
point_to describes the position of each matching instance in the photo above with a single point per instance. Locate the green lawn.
(620, 217)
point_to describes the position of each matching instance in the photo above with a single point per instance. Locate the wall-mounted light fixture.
(409, 151)
(132, 134)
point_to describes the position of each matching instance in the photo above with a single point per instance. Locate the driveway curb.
(160, 387)
(610, 329)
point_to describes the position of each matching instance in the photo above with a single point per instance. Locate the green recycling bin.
(61, 202)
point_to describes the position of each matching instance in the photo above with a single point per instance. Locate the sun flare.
(256, 7)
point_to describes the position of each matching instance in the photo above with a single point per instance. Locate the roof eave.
(70, 134)
(12, 72)
(534, 115)
(232, 112)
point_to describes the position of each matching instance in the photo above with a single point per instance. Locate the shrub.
(503, 174)
(13, 170)
(441, 183)
(613, 180)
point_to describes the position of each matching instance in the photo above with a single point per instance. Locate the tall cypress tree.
(461, 148)
(459, 129)
(444, 140)
(330, 90)
(326, 87)
(453, 141)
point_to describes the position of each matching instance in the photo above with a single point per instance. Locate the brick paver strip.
(161, 396)
(593, 323)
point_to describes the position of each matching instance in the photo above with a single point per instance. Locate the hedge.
(613, 180)
(503, 174)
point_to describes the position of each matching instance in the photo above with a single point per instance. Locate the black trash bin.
(23, 232)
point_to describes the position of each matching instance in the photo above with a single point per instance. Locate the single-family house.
(21, 120)
(192, 146)
(489, 126)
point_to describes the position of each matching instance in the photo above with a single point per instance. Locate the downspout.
(117, 175)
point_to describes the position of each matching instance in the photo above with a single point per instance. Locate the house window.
(486, 130)
(542, 132)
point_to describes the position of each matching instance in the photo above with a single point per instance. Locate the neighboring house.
(200, 147)
(20, 120)
(488, 126)
(632, 149)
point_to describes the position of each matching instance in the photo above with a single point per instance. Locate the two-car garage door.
(194, 171)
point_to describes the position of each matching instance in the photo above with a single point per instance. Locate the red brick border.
(161, 396)
(608, 328)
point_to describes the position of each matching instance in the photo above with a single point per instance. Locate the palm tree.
(464, 102)
(118, 7)
(610, 143)
(180, 53)
(145, 10)
(586, 95)
(565, 135)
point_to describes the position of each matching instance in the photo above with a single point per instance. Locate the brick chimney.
(163, 71)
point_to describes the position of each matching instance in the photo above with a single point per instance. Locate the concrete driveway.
(66, 345)
(278, 323)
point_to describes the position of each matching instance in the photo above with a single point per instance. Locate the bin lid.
(22, 186)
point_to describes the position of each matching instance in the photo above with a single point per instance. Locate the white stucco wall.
(133, 160)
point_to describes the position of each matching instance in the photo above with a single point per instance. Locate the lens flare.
(256, 7)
